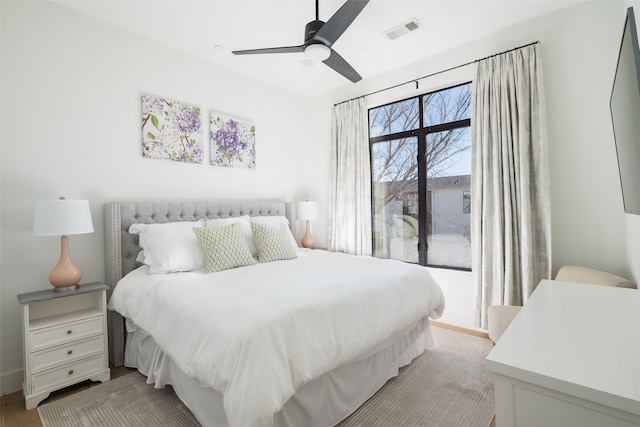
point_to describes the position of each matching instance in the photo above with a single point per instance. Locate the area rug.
(127, 401)
(447, 385)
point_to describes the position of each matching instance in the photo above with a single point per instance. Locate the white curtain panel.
(511, 219)
(350, 223)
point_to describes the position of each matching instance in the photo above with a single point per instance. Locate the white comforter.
(256, 334)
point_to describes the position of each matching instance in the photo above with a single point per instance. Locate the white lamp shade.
(306, 210)
(62, 217)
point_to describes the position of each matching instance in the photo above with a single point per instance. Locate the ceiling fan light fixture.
(317, 51)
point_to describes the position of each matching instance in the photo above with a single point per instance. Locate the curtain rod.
(438, 72)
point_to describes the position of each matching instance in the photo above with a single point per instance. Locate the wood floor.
(14, 414)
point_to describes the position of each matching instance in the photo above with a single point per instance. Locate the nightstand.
(65, 339)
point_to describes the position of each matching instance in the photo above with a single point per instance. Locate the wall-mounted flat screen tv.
(625, 113)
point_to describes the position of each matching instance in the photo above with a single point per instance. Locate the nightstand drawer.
(67, 374)
(66, 332)
(60, 355)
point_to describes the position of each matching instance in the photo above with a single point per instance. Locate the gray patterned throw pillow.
(272, 242)
(223, 247)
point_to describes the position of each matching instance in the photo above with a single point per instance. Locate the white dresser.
(65, 339)
(571, 357)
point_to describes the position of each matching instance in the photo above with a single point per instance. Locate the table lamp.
(307, 211)
(63, 218)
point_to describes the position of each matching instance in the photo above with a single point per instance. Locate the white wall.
(71, 115)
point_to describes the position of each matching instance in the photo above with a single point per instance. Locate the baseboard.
(11, 382)
(474, 332)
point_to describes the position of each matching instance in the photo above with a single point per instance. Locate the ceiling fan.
(320, 36)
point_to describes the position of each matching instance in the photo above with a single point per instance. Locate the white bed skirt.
(323, 402)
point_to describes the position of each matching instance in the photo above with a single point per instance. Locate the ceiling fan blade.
(340, 21)
(338, 64)
(286, 49)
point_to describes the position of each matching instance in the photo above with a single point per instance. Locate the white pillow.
(170, 247)
(245, 228)
(277, 220)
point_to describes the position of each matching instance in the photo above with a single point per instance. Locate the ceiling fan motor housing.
(310, 31)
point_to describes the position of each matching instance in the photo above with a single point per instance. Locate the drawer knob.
(69, 332)
(69, 351)
(70, 371)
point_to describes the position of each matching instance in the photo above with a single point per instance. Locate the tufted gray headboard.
(122, 247)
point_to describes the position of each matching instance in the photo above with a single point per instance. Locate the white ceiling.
(211, 29)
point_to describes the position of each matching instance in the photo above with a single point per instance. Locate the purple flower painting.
(232, 141)
(171, 130)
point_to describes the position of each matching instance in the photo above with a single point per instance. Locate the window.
(466, 202)
(421, 178)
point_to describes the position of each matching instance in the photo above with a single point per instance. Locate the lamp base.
(308, 241)
(66, 288)
(66, 275)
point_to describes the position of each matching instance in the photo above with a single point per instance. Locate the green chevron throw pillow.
(272, 242)
(223, 247)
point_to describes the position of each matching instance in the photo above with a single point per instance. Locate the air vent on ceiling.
(402, 29)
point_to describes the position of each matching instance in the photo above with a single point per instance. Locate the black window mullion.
(422, 182)
(422, 200)
(449, 126)
(392, 136)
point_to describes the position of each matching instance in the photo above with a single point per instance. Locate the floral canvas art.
(171, 130)
(232, 141)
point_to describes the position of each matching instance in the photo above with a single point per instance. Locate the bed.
(285, 340)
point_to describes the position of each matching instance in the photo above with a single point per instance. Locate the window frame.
(421, 133)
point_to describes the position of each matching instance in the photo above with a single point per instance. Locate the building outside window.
(421, 178)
